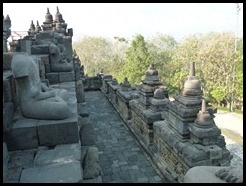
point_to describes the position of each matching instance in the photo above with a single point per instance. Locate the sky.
(128, 19)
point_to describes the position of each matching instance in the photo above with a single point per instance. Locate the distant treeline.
(218, 61)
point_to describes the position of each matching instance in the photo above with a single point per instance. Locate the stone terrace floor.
(121, 158)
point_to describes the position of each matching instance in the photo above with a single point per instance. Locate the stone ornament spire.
(60, 24)
(192, 69)
(6, 32)
(38, 28)
(204, 131)
(192, 85)
(8, 21)
(32, 27)
(58, 16)
(126, 86)
(48, 17)
(31, 30)
(204, 118)
(148, 86)
(159, 101)
(8, 25)
(151, 73)
(48, 23)
(5, 29)
(114, 82)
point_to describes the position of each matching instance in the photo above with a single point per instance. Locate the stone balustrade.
(177, 135)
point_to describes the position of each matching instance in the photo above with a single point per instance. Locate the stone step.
(43, 158)
(59, 165)
(53, 173)
(60, 154)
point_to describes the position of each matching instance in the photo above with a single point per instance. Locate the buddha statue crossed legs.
(36, 100)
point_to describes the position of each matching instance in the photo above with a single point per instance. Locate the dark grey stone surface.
(82, 109)
(94, 180)
(47, 68)
(8, 114)
(5, 161)
(40, 49)
(23, 134)
(55, 132)
(91, 164)
(7, 57)
(53, 173)
(87, 134)
(8, 86)
(66, 76)
(121, 158)
(53, 77)
(23, 159)
(25, 46)
(92, 83)
(13, 175)
(60, 154)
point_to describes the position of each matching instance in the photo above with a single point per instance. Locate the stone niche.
(92, 83)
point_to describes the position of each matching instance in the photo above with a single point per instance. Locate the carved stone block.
(53, 77)
(66, 76)
(23, 134)
(55, 132)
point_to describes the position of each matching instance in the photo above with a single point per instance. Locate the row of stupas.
(58, 24)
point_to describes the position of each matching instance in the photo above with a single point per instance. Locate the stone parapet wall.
(112, 94)
(141, 129)
(168, 161)
(123, 109)
(92, 83)
(174, 134)
(105, 84)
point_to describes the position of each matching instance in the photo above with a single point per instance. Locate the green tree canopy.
(136, 62)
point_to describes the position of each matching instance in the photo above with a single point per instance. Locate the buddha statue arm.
(45, 88)
(44, 95)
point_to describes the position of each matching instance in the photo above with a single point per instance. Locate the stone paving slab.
(121, 158)
(13, 175)
(53, 173)
(60, 154)
(23, 159)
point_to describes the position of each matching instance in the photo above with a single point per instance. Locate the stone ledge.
(53, 173)
(60, 154)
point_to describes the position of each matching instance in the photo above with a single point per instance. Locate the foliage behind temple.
(214, 53)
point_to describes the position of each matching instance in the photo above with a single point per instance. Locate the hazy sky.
(128, 19)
